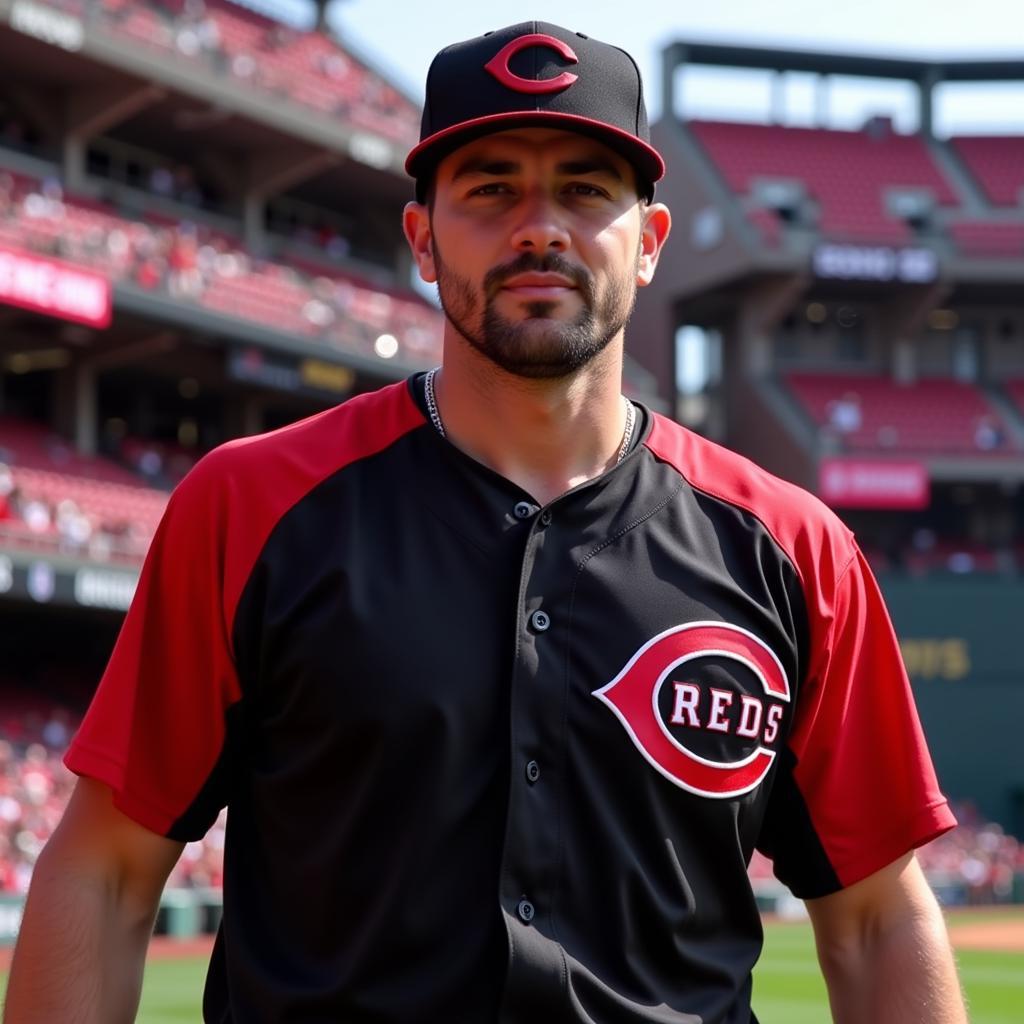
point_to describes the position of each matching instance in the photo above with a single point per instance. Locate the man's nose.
(541, 228)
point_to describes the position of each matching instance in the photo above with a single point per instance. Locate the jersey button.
(524, 908)
(545, 517)
(540, 620)
(532, 771)
(523, 510)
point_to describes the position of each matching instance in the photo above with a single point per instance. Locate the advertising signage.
(43, 581)
(867, 483)
(316, 377)
(875, 263)
(57, 289)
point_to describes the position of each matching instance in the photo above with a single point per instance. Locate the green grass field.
(787, 985)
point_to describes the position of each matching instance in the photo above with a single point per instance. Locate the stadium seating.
(997, 163)
(307, 68)
(1014, 387)
(928, 417)
(195, 263)
(68, 501)
(845, 173)
(987, 238)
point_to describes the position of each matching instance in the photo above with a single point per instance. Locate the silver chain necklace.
(435, 416)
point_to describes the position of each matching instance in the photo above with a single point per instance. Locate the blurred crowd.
(191, 261)
(35, 787)
(63, 524)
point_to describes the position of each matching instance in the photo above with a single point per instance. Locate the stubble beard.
(537, 347)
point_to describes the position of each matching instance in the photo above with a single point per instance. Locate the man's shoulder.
(804, 527)
(362, 425)
(293, 459)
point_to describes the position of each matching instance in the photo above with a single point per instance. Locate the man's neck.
(546, 436)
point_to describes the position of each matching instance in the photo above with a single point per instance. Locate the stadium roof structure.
(925, 71)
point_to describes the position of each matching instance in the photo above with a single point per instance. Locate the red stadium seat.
(846, 173)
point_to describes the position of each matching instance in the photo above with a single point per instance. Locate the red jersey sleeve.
(156, 728)
(862, 779)
(163, 724)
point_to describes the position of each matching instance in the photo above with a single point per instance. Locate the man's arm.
(89, 915)
(885, 953)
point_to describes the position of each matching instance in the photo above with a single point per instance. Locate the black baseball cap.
(539, 75)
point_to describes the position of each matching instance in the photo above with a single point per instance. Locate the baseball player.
(501, 676)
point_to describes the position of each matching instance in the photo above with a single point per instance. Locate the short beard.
(527, 349)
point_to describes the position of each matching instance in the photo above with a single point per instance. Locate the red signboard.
(58, 289)
(862, 483)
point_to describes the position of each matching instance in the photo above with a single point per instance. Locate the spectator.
(988, 434)
(844, 414)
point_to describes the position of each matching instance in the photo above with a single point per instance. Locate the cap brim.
(423, 158)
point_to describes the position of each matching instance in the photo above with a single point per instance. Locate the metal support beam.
(762, 308)
(133, 352)
(90, 112)
(86, 408)
(902, 317)
(93, 111)
(271, 173)
(926, 86)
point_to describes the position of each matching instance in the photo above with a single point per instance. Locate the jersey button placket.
(531, 851)
(540, 621)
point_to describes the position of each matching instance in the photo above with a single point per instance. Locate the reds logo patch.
(498, 65)
(666, 700)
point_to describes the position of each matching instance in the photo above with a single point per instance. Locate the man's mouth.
(537, 285)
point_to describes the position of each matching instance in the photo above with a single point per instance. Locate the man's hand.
(885, 953)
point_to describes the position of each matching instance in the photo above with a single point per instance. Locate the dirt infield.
(163, 948)
(998, 934)
(160, 948)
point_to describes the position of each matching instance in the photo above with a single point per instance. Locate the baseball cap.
(539, 75)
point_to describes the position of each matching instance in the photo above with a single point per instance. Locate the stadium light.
(386, 346)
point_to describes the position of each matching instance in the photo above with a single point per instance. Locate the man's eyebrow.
(593, 165)
(485, 165)
(488, 165)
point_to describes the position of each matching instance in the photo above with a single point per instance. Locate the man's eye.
(494, 188)
(581, 188)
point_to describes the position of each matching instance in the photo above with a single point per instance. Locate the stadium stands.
(35, 787)
(54, 498)
(997, 163)
(876, 414)
(988, 238)
(307, 68)
(193, 262)
(845, 173)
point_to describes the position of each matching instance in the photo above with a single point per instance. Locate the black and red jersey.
(489, 761)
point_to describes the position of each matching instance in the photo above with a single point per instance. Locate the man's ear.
(418, 233)
(657, 222)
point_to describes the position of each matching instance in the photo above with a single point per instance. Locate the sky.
(403, 35)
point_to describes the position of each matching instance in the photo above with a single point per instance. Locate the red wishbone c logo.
(633, 696)
(498, 65)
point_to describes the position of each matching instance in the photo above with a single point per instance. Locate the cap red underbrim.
(425, 156)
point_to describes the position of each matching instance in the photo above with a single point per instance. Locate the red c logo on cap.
(498, 65)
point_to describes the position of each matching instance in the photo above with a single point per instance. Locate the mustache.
(530, 262)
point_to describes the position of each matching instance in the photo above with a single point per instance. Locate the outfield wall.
(963, 642)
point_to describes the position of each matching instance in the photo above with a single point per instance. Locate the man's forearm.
(81, 949)
(901, 973)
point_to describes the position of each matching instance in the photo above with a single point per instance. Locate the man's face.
(535, 241)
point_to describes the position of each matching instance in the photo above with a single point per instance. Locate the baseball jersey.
(491, 761)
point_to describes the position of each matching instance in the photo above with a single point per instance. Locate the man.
(501, 676)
